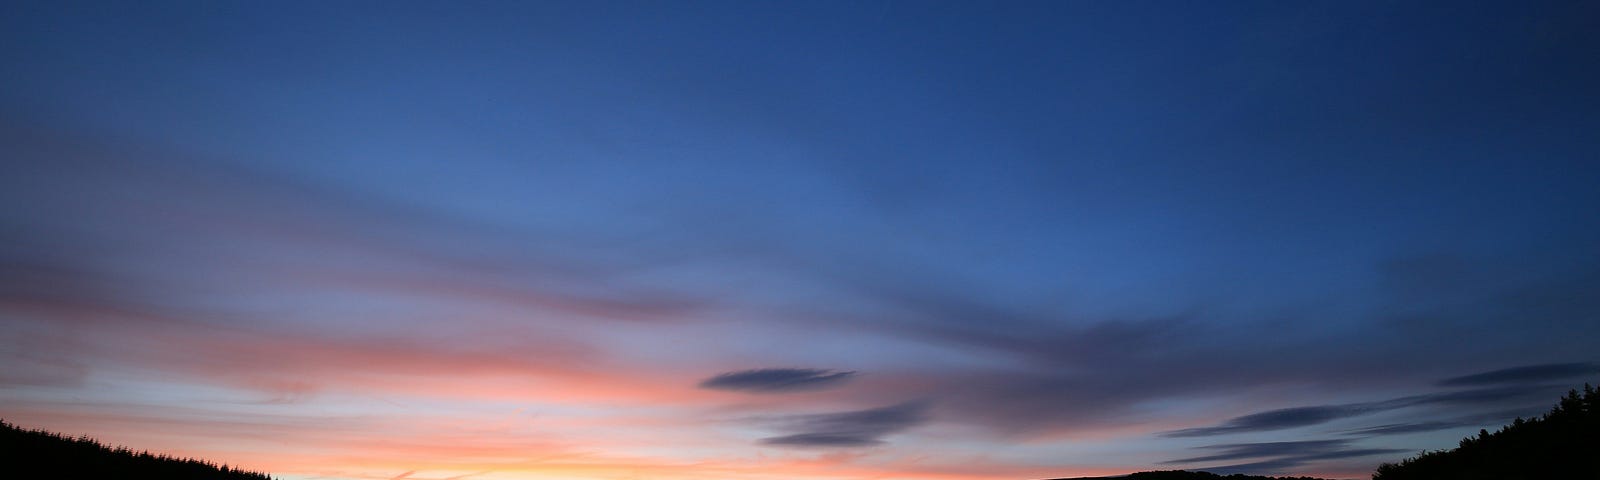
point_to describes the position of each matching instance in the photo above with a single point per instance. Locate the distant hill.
(1186, 475)
(52, 455)
(1563, 444)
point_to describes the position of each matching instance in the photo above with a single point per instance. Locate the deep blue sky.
(1056, 237)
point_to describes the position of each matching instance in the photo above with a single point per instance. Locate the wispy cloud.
(1278, 456)
(777, 380)
(1404, 428)
(1488, 419)
(1279, 419)
(1524, 374)
(1286, 418)
(1236, 451)
(850, 429)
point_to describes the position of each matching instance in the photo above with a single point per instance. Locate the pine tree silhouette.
(60, 456)
(1564, 443)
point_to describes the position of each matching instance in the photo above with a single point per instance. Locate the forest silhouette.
(54, 455)
(1564, 443)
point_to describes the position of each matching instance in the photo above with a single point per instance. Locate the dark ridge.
(54, 455)
(1187, 475)
(1560, 444)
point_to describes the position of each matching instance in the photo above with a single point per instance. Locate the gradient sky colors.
(801, 240)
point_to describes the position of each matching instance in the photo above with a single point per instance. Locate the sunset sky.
(795, 240)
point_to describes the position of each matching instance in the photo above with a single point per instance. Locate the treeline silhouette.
(1564, 443)
(53, 455)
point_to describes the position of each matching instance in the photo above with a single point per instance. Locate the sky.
(797, 240)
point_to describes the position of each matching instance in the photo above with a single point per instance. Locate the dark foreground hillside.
(1562, 444)
(1187, 475)
(60, 456)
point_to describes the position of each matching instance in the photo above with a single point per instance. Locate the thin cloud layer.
(1278, 456)
(1278, 420)
(1286, 418)
(1237, 451)
(1525, 374)
(1477, 420)
(778, 380)
(858, 428)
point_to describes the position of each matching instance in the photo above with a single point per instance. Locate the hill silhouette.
(59, 456)
(1564, 443)
(1187, 475)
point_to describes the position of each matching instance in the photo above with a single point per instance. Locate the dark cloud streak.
(778, 380)
(1236, 451)
(1484, 420)
(1279, 419)
(1524, 374)
(850, 429)
(1286, 418)
(1280, 456)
